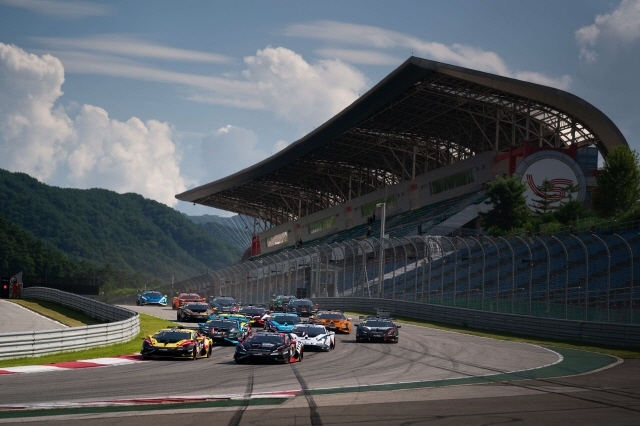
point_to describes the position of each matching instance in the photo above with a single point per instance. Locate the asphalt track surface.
(14, 318)
(412, 382)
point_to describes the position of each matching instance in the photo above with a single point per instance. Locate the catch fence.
(587, 277)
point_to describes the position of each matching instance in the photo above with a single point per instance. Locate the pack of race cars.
(258, 333)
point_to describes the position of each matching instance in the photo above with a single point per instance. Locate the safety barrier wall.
(623, 335)
(121, 325)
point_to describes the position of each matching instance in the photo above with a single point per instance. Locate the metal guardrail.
(121, 325)
(622, 335)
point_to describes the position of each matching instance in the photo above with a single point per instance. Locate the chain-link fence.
(590, 277)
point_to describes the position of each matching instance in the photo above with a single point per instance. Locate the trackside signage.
(562, 173)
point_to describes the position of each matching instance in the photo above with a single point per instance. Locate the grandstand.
(423, 143)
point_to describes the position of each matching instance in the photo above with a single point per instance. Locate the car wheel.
(333, 345)
(178, 317)
(301, 355)
(239, 360)
(194, 353)
(138, 302)
(146, 357)
(358, 338)
(209, 351)
(287, 358)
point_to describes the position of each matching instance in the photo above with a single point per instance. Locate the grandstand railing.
(591, 276)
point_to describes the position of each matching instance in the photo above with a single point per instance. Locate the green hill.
(235, 230)
(126, 232)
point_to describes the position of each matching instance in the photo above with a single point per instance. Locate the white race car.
(315, 336)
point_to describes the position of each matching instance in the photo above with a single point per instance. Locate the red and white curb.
(72, 365)
(148, 401)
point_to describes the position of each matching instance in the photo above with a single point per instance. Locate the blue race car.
(280, 321)
(151, 297)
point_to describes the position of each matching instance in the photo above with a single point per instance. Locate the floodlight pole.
(381, 276)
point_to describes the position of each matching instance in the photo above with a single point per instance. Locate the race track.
(423, 354)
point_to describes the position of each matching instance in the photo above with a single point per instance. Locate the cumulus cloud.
(620, 27)
(229, 150)
(88, 150)
(380, 38)
(299, 91)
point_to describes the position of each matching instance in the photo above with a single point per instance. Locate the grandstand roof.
(422, 116)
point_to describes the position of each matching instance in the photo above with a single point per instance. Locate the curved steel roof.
(422, 116)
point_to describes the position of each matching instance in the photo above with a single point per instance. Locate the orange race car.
(183, 298)
(333, 321)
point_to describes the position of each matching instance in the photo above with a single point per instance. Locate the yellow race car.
(176, 342)
(333, 321)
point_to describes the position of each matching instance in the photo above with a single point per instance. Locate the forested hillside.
(235, 230)
(127, 232)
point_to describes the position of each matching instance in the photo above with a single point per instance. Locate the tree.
(618, 183)
(510, 209)
(570, 209)
(544, 204)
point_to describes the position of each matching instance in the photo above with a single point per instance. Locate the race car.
(333, 320)
(280, 303)
(176, 342)
(151, 297)
(270, 346)
(280, 321)
(377, 328)
(183, 298)
(224, 304)
(315, 336)
(223, 331)
(194, 312)
(302, 307)
(240, 317)
(254, 314)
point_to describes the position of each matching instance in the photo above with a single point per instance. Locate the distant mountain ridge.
(103, 227)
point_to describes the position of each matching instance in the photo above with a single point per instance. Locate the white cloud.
(620, 27)
(360, 56)
(119, 44)
(379, 38)
(60, 9)
(229, 150)
(87, 151)
(275, 79)
(301, 92)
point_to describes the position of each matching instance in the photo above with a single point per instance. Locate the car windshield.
(172, 336)
(310, 331)
(378, 324)
(221, 324)
(330, 316)
(152, 293)
(197, 307)
(291, 319)
(265, 339)
(224, 302)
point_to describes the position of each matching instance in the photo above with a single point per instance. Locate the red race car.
(183, 298)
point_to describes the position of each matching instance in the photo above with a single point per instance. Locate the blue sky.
(156, 97)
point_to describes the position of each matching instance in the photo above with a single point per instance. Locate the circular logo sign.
(550, 178)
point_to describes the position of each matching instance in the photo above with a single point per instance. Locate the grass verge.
(148, 325)
(615, 351)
